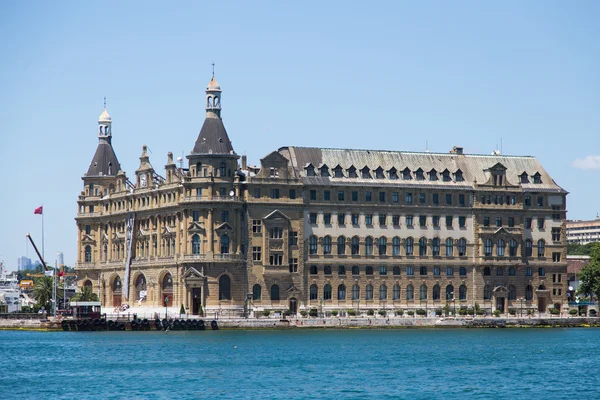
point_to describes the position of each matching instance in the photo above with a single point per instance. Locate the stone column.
(210, 232)
(186, 245)
(238, 231)
(158, 236)
(109, 256)
(177, 234)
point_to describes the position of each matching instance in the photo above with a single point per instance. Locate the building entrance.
(196, 300)
(500, 304)
(293, 305)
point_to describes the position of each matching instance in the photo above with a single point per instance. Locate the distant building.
(24, 264)
(60, 258)
(583, 232)
(574, 265)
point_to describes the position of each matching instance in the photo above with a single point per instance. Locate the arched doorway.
(293, 305)
(117, 289)
(167, 290)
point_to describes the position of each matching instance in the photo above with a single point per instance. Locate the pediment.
(104, 237)
(167, 231)
(498, 167)
(500, 289)
(87, 239)
(117, 236)
(274, 157)
(275, 216)
(195, 226)
(224, 227)
(193, 273)
(293, 289)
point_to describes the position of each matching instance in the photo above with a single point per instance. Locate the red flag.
(38, 210)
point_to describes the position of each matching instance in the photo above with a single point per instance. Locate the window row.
(423, 247)
(379, 173)
(393, 197)
(487, 271)
(396, 271)
(500, 246)
(327, 293)
(410, 221)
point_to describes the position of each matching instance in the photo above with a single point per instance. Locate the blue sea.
(328, 364)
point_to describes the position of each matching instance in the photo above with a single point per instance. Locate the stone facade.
(321, 228)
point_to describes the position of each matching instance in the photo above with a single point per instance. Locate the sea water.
(307, 364)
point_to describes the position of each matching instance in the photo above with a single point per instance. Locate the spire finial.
(213, 65)
(105, 102)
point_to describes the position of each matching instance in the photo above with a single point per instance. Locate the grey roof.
(473, 166)
(213, 138)
(105, 161)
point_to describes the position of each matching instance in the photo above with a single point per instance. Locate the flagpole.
(43, 255)
(54, 287)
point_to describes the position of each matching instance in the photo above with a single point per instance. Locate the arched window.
(422, 246)
(355, 292)
(449, 292)
(423, 292)
(462, 292)
(275, 293)
(222, 168)
(396, 292)
(410, 292)
(314, 292)
(396, 246)
(462, 247)
(116, 286)
(341, 294)
(487, 292)
(528, 293)
(327, 245)
(382, 246)
(369, 292)
(225, 288)
(198, 169)
(87, 284)
(512, 248)
(512, 293)
(256, 292)
(500, 245)
(368, 246)
(449, 247)
(409, 246)
(105, 253)
(196, 244)
(224, 244)
(209, 102)
(436, 292)
(355, 245)
(486, 271)
(382, 292)
(167, 288)
(512, 271)
(396, 270)
(341, 245)
(541, 245)
(435, 247)
(140, 286)
(487, 250)
(528, 248)
(499, 271)
(88, 253)
(327, 292)
(312, 245)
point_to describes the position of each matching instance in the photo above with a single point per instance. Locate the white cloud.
(588, 162)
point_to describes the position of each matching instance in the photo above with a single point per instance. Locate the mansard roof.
(105, 161)
(474, 167)
(213, 138)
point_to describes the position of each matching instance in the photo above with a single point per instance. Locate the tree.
(589, 276)
(42, 291)
(86, 294)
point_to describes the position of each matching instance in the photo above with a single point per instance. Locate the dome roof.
(213, 84)
(104, 117)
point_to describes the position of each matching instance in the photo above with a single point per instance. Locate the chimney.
(244, 162)
(457, 150)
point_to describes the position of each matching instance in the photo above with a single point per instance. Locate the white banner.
(128, 244)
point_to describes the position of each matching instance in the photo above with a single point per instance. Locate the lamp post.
(521, 313)
(454, 300)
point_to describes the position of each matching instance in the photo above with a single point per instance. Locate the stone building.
(583, 232)
(320, 228)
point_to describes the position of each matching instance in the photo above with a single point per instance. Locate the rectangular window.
(540, 201)
(382, 197)
(410, 271)
(435, 198)
(195, 215)
(327, 219)
(354, 196)
(256, 253)
(486, 221)
(312, 218)
(88, 230)
(448, 221)
(313, 195)
(395, 197)
(225, 216)
(396, 220)
(355, 270)
(462, 222)
(340, 218)
(293, 265)
(422, 198)
(257, 193)
(540, 223)
(511, 200)
(275, 259)
(556, 234)
(449, 271)
(436, 221)
(461, 199)
(341, 270)
(383, 270)
(528, 272)
(527, 201)
(436, 271)
(382, 219)
(511, 222)
(354, 219)
(274, 193)
(423, 271)
(327, 270)
(326, 195)
(368, 195)
(422, 220)
(340, 195)
(198, 192)
(256, 225)
(498, 221)
(448, 199)
(409, 220)
(527, 223)
(409, 200)
(294, 238)
(292, 194)
(556, 257)
(368, 219)
(276, 233)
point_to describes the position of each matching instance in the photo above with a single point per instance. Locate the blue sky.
(379, 75)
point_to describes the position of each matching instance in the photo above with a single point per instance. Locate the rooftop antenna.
(213, 65)
(426, 147)
(501, 152)
(105, 102)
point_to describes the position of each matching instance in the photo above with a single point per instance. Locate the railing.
(193, 199)
(22, 316)
(194, 256)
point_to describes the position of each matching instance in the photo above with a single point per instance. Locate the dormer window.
(446, 176)
(379, 173)
(365, 173)
(310, 170)
(537, 178)
(498, 179)
(433, 175)
(272, 172)
(352, 172)
(419, 175)
(325, 171)
(338, 172)
(458, 176)
(406, 174)
(524, 178)
(393, 173)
